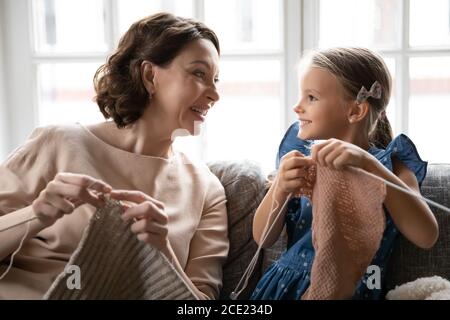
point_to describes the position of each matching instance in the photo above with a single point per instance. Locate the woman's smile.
(200, 112)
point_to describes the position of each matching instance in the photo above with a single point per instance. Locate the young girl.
(344, 94)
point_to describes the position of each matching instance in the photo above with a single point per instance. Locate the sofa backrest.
(409, 262)
(244, 185)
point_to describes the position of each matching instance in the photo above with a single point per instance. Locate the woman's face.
(185, 90)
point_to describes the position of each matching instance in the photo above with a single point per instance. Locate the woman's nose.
(213, 94)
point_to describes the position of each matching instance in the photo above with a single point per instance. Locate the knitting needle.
(28, 219)
(34, 217)
(393, 185)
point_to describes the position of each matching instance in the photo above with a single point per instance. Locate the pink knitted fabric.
(347, 227)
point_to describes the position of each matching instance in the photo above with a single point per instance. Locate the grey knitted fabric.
(113, 264)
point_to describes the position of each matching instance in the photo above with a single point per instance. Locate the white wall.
(4, 116)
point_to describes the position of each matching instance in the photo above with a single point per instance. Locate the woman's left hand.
(337, 154)
(151, 220)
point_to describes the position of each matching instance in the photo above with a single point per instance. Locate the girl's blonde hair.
(355, 68)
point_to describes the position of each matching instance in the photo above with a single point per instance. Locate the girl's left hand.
(150, 218)
(337, 154)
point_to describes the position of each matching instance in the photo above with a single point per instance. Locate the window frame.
(402, 56)
(300, 30)
(3, 110)
(22, 62)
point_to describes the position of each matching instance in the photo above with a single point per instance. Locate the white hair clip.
(374, 92)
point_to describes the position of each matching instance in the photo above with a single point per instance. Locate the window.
(51, 54)
(250, 110)
(414, 38)
(66, 54)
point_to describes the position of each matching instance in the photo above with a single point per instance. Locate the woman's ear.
(147, 75)
(357, 111)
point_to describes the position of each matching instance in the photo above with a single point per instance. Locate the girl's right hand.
(65, 193)
(293, 173)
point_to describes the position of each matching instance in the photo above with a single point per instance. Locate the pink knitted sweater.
(347, 228)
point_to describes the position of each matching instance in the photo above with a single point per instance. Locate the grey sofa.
(245, 186)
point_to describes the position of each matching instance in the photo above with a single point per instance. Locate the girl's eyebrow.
(313, 91)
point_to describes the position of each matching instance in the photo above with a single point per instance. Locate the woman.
(160, 81)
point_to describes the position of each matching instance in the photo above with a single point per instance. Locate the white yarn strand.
(248, 272)
(17, 250)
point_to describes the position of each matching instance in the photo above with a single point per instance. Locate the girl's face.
(322, 109)
(185, 90)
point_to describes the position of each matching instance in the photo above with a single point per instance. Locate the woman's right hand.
(66, 192)
(293, 173)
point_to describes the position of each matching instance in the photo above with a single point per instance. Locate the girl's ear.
(357, 111)
(147, 75)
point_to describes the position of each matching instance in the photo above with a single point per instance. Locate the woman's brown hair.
(355, 68)
(159, 38)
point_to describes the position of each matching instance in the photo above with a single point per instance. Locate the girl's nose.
(298, 108)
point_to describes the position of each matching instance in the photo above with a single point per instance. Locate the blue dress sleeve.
(404, 149)
(291, 142)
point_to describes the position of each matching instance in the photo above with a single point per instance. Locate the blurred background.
(50, 49)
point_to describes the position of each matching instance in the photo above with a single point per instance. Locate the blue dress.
(288, 277)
